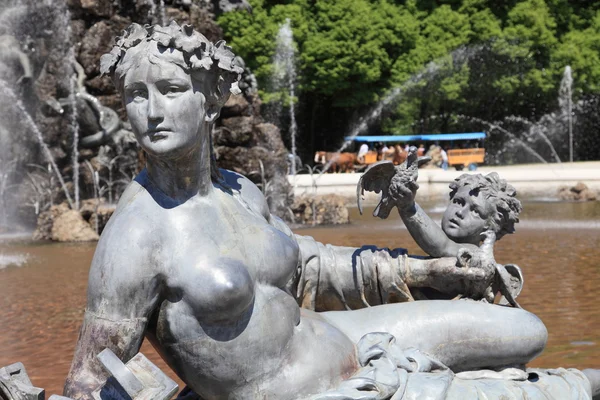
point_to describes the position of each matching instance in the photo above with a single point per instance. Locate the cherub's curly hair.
(500, 192)
(199, 54)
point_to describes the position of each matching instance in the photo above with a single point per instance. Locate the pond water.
(42, 286)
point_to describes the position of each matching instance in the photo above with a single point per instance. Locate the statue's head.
(479, 203)
(173, 82)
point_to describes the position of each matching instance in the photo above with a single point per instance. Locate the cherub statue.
(481, 208)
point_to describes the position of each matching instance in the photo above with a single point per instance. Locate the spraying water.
(565, 100)
(493, 126)
(73, 124)
(285, 76)
(28, 121)
(536, 129)
(156, 13)
(162, 18)
(458, 56)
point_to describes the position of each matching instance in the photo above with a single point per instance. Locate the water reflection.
(557, 245)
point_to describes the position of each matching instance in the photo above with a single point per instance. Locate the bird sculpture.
(385, 177)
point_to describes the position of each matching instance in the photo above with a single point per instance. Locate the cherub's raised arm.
(121, 297)
(429, 236)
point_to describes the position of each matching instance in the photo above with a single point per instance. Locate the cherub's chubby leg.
(461, 334)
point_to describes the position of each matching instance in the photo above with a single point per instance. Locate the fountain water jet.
(7, 91)
(537, 129)
(285, 75)
(73, 124)
(459, 56)
(565, 100)
(156, 13)
(493, 126)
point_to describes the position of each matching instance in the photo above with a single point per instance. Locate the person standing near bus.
(444, 159)
(362, 151)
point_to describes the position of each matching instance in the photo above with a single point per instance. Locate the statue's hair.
(199, 55)
(497, 190)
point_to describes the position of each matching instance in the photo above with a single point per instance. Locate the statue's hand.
(479, 268)
(403, 190)
(403, 186)
(397, 184)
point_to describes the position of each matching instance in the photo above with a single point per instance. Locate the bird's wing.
(376, 178)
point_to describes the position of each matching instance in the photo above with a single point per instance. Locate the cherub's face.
(467, 216)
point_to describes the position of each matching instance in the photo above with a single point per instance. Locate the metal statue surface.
(241, 308)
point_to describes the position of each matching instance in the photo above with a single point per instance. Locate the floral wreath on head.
(199, 53)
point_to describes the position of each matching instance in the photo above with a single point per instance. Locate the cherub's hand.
(397, 184)
(403, 190)
(479, 268)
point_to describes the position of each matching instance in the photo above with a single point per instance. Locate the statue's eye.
(173, 90)
(138, 94)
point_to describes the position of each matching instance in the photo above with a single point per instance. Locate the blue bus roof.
(418, 138)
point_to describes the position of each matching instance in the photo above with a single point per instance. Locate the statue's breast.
(214, 257)
(218, 289)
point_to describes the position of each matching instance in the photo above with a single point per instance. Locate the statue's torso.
(225, 323)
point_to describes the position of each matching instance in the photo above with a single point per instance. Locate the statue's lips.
(156, 135)
(454, 223)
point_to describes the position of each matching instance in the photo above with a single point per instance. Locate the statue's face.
(467, 216)
(164, 105)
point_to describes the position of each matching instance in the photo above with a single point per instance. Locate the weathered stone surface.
(71, 227)
(320, 210)
(579, 192)
(236, 132)
(236, 105)
(242, 125)
(270, 136)
(100, 8)
(243, 160)
(98, 40)
(97, 213)
(102, 84)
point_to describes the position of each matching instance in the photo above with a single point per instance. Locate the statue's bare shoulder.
(249, 192)
(121, 259)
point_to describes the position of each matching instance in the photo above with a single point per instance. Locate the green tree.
(455, 60)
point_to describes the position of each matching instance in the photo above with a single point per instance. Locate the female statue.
(193, 260)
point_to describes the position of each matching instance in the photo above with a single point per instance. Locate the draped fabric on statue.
(390, 372)
(331, 278)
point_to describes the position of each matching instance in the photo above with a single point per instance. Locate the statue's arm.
(429, 236)
(345, 278)
(121, 297)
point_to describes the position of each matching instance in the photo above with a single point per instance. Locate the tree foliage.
(450, 62)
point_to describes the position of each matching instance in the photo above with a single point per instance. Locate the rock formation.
(579, 192)
(320, 210)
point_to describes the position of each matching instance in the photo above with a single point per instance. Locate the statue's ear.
(212, 111)
(217, 96)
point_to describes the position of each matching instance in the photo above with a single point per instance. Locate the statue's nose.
(155, 107)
